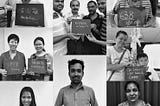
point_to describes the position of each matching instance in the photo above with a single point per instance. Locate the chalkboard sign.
(128, 17)
(81, 26)
(14, 68)
(37, 66)
(29, 15)
(135, 73)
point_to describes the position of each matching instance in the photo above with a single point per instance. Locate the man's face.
(58, 5)
(13, 44)
(143, 61)
(102, 6)
(75, 6)
(92, 8)
(76, 73)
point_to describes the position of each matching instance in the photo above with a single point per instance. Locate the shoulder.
(88, 89)
(4, 54)
(123, 104)
(65, 88)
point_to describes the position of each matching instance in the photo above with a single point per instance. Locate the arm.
(93, 99)
(3, 72)
(59, 100)
(112, 67)
(50, 64)
(94, 40)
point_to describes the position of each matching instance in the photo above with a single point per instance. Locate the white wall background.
(10, 92)
(94, 75)
(110, 4)
(27, 36)
(1, 41)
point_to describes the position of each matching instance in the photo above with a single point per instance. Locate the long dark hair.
(27, 89)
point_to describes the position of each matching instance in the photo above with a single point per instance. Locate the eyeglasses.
(133, 90)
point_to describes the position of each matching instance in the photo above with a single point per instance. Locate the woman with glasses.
(12, 62)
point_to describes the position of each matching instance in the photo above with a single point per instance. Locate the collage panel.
(27, 54)
(78, 86)
(137, 48)
(133, 13)
(26, 13)
(132, 93)
(80, 27)
(26, 94)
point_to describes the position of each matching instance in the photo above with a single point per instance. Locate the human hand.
(91, 37)
(69, 19)
(31, 73)
(73, 36)
(3, 72)
(93, 26)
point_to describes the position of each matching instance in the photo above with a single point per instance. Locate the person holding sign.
(27, 97)
(132, 92)
(118, 58)
(60, 29)
(12, 62)
(42, 69)
(76, 94)
(137, 13)
(142, 59)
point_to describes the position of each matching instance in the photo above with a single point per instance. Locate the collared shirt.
(60, 27)
(18, 63)
(83, 96)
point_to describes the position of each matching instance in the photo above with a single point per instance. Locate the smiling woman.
(132, 91)
(27, 97)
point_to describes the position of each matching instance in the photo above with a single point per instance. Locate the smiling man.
(76, 94)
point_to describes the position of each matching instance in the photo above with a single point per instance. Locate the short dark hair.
(74, 0)
(121, 32)
(91, 2)
(140, 55)
(13, 36)
(133, 82)
(27, 89)
(74, 61)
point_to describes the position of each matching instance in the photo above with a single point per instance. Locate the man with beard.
(96, 21)
(60, 29)
(76, 94)
(103, 29)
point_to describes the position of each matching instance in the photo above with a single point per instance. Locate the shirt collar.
(80, 87)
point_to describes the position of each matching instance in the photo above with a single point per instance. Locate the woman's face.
(121, 40)
(39, 46)
(132, 92)
(26, 98)
(13, 44)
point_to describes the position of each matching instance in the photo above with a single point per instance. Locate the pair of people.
(61, 37)
(15, 60)
(113, 56)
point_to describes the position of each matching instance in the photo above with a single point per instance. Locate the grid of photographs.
(132, 53)
(53, 52)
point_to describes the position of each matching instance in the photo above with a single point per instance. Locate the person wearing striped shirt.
(103, 29)
(146, 4)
